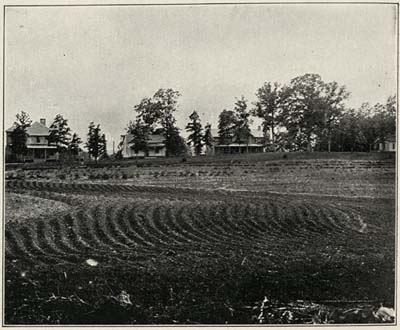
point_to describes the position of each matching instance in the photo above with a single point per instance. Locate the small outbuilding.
(389, 143)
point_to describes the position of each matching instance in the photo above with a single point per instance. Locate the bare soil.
(191, 244)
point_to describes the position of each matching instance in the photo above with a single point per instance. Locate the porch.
(41, 153)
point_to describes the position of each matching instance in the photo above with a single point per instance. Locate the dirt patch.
(20, 207)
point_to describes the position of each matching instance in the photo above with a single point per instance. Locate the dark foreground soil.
(125, 254)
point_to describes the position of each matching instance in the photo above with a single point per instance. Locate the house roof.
(11, 129)
(257, 133)
(41, 146)
(36, 129)
(239, 145)
(390, 138)
(154, 139)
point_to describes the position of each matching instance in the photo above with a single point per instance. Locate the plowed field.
(187, 255)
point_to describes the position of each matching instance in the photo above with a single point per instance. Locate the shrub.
(62, 176)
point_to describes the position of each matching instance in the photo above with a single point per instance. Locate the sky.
(97, 63)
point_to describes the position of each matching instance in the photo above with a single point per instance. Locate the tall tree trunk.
(329, 141)
(273, 133)
(309, 143)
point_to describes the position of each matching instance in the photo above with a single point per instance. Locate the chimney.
(43, 121)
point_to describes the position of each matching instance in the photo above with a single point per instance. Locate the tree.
(19, 135)
(391, 106)
(148, 112)
(175, 145)
(376, 123)
(103, 146)
(156, 109)
(367, 125)
(159, 110)
(226, 125)
(312, 108)
(73, 147)
(140, 135)
(385, 117)
(349, 135)
(241, 128)
(207, 137)
(195, 137)
(96, 142)
(60, 134)
(271, 100)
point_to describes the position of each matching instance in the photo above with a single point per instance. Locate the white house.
(254, 144)
(37, 143)
(389, 144)
(156, 146)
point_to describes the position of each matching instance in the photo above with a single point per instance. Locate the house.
(255, 143)
(37, 143)
(155, 143)
(389, 144)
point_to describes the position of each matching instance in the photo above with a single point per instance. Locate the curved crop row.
(136, 232)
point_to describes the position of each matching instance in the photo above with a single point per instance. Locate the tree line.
(67, 143)
(307, 114)
(310, 114)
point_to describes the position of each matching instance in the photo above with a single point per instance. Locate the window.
(156, 150)
(394, 146)
(38, 139)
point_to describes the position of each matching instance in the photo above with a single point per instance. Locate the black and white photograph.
(199, 164)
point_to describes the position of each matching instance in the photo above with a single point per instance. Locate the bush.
(62, 176)
(105, 176)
